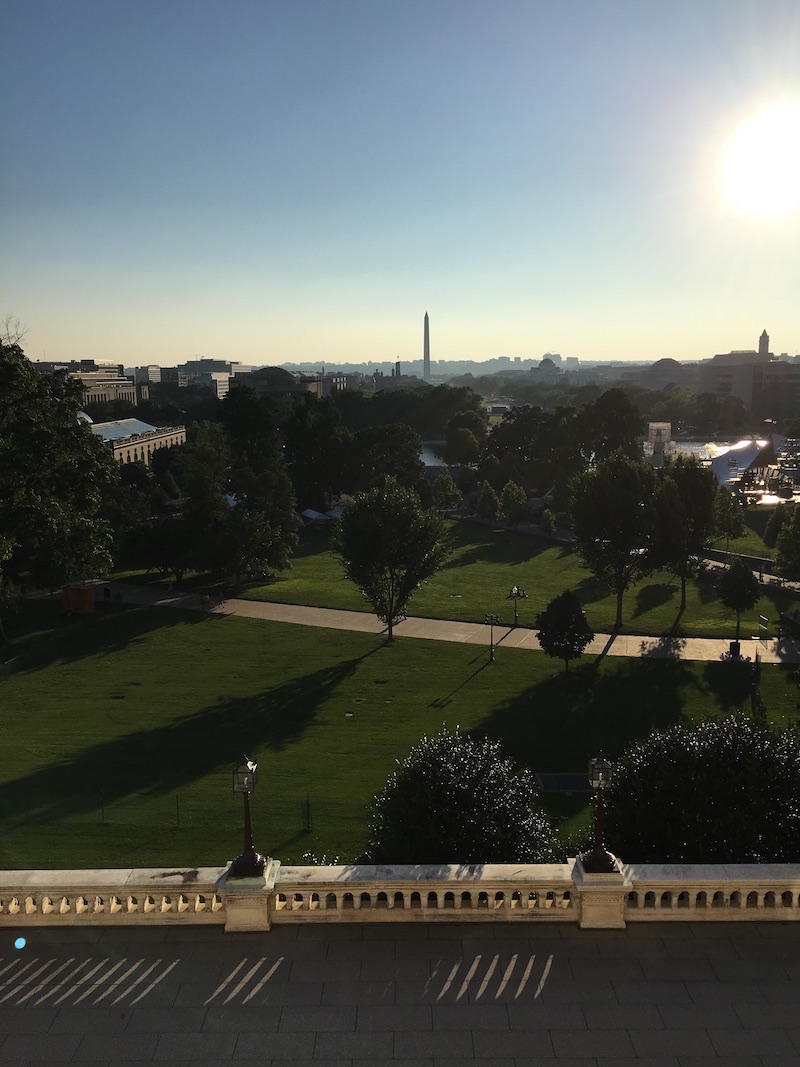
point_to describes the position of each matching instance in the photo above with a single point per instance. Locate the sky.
(302, 180)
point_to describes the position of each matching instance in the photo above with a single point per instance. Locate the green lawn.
(487, 562)
(121, 728)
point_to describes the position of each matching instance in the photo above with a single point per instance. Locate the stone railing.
(370, 894)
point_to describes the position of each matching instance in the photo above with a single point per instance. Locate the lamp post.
(250, 864)
(599, 861)
(516, 594)
(491, 621)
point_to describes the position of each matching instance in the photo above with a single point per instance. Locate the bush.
(455, 799)
(547, 521)
(720, 792)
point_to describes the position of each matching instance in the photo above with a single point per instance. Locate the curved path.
(772, 650)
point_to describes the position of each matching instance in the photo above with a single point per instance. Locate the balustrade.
(368, 894)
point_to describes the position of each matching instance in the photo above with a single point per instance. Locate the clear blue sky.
(302, 180)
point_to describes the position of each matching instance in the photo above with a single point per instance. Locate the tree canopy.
(612, 521)
(563, 629)
(53, 475)
(684, 521)
(388, 545)
(456, 799)
(787, 556)
(739, 589)
(723, 791)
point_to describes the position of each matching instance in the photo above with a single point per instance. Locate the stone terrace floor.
(438, 995)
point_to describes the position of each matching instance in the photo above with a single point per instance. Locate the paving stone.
(361, 950)
(312, 1019)
(397, 970)
(373, 1045)
(28, 1021)
(719, 992)
(117, 1048)
(45, 1047)
(579, 992)
(196, 1046)
(692, 1016)
(166, 1020)
(394, 1017)
(595, 1043)
(651, 992)
(773, 1042)
(691, 1042)
(358, 993)
(541, 1016)
(255, 1048)
(412, 1043)
(240, 1019)
(669, 968)
(325, 971)
(755, 1016)
(622, 1017)
(470, 1017)
(593, 969)
(514, 1043)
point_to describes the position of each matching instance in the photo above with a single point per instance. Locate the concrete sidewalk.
(772, 650)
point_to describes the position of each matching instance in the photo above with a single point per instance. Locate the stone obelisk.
(426, 353)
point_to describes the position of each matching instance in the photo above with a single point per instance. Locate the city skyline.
(301, 183)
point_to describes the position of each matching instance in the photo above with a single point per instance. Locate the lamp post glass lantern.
(250, 864)
(599, 860)
(515, 594)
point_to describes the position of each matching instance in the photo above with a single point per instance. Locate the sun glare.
(761, 165)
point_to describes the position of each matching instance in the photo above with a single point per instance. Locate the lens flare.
(761, 165)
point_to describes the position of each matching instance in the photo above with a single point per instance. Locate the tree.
(728, 518)
(775, 524)
(787, 555)
(611, 424)
(547, 521)
(612, 521)
(513, 503)
(488, 502)
(315, 448)
(684, 518)
(455, 799)
(722, 791)
(739, 589)
(564, 632)
(446, 493)
(388, 545)
(54, 473)
(382, 451)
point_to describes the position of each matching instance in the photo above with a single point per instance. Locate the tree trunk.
(389, 634)
(618, 623)
(738, 621)
(683, 592)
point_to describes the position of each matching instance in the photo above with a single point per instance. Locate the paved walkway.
(773, 650)
(420, 995)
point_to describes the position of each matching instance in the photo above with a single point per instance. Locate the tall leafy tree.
(513, 503)
(739, 589)
(612, 521)
(316, 447)
(382, 451)
(611, 424)
(564, 631)
(684, 518)
(728, 517)
(388, 545)
(54, 473)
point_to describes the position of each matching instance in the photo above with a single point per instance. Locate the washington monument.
(426, 353)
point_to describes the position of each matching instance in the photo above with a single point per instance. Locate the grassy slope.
(110, 718)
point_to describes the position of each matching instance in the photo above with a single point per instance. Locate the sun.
(761, 165)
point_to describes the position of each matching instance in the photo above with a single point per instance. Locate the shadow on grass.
(153, 762)
(730, 682)
(479, 544)
(653, 596)
(43, 635)
(572, 717)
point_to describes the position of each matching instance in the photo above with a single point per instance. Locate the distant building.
(134, 441)
(277, 382)
(102, 381)
(426, 351)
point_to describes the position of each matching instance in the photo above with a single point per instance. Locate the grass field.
(486, 562)
(121, 729)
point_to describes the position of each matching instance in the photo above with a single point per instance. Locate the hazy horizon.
(277, 183)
